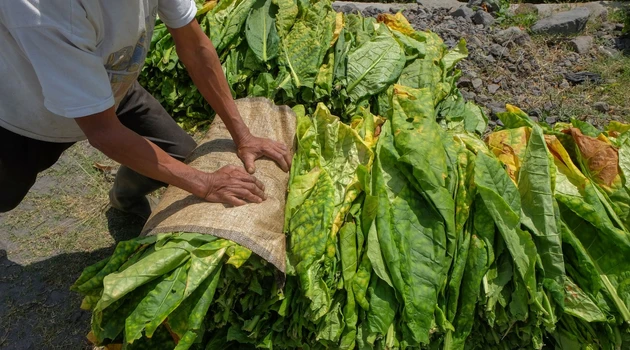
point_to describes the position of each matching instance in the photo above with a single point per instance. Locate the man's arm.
(229, 185)
(197, 53)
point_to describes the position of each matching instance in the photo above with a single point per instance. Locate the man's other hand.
(233, 185)
(251, 148)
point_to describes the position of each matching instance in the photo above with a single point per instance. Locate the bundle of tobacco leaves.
(408, 226)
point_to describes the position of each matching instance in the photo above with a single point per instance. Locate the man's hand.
(233, 185)
(251, 148)
(196, 52)
(229, 185)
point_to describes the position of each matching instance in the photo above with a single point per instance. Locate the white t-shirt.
(64, 59)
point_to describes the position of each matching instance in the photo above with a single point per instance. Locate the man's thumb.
(248, 160)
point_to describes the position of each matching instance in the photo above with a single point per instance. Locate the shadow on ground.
(37, 308)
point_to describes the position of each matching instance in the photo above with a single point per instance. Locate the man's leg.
(142, 113)
(21, 159)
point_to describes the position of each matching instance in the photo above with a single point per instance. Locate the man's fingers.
(282, 146)
(278, 157)
(288, 158)
(259, 183)
(247, 195)
(248, 160)
(253, 188)
(244, 176)
(283, 150)
(232, 200)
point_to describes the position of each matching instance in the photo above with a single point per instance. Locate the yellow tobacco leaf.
(397, 22)
(601, 158)
(339, 24)
(509, 147)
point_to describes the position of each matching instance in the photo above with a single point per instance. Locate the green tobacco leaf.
(187, 319)
(161, 339)
(123, 251)
(423, 145)
(502, 199)
(410, 75)
(287, 13)
(324, 79)
(310, 227)
(573, 230)
(350, 315)
(383, 305)
(157, 305)
(88, 273)
(332, 324)
(579, 304)
(519, 308)
(361, 282)
(535, 188)
(585, 128)
(263, 86)
(464, 198)
(348, 247)
(260, 31)
(515, 118)
(476, 267)
(234, 23)
(238, 255)
(375, 255)
(475, 120)
(300, 189)
(455, 278)
(498, 276)
(304, 47)
(110, 323)
(299, 53)
(342, 47)
(606, 237)
(362, 28)
(375, 65)
(412, 238)
(217, 19)
(413, 48)
(202, 264)
(578, 262)
(157, 264)
(455, 55)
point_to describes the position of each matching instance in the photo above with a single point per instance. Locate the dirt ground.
(63, 225)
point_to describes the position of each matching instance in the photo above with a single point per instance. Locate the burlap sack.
(259, 227)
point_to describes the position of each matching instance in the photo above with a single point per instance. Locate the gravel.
(506, 66)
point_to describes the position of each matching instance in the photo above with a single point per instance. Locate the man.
(69, 70)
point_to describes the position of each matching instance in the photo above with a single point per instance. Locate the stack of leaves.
(574, 200)
(185, 290)
(294, 52)
(405, 228)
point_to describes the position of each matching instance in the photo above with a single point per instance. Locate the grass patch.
(578, 101)
(64, 211)
(616, 72)
(621, 15)
(524, 21)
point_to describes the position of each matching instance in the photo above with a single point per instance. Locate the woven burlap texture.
(258, 227)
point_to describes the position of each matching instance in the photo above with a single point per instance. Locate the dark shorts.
(22, 158)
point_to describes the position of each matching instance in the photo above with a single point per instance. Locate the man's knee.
(184, 146)
(13, 188)
(188, 146)
(8, 204)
